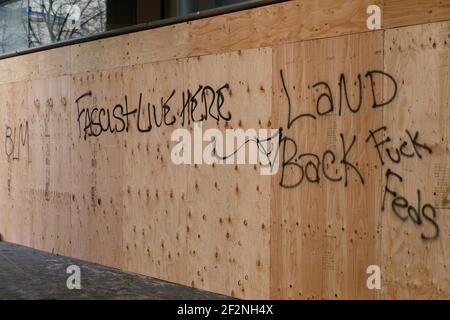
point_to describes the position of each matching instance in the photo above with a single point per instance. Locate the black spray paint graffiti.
(96, 120)
(190, 104)
(16, 139)
(404, 210)
(409, 148)
(328, 99)
(267, 147)
(312, 168)
(304, 167)
(315, 164)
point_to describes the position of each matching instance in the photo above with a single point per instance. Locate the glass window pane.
(13, 26)
(58, 20)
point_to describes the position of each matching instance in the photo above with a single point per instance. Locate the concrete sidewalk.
(27, 273)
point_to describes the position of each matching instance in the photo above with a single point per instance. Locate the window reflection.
(13, 26)
(31, 23)
(58, 20)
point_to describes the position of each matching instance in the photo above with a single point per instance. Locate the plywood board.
(15, 163)
(97, 173)
(229, 205)
(399, 13)
(48, 185)
(113, 195)
(325, 212)
(416, 239)
(79, 178)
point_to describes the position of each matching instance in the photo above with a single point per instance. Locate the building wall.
(338, 203)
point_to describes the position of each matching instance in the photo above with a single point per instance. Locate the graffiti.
(262, 147)
(325, 102)
(315, 166)
(267, 149)
(402, 151)
(336, 164)
(95, 121)
(217, 99)
(298, 166)
(404, 210)
(17, 138)
(291, 121)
